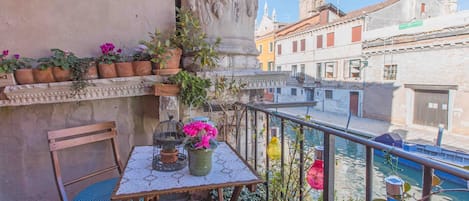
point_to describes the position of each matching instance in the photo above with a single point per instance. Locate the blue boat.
(456, 158)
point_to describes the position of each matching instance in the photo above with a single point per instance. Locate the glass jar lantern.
(168, 154)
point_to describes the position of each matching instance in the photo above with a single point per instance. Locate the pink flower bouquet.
(200, 135)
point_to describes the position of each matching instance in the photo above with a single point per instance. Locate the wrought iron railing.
(248, 146)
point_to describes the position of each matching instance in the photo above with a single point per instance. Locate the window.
(260, 49)
(294, 70)
(319, 41)
(422, 8)
(329, 94)
(293, 91)
(302, 92)
(318, 70)
(331, 70)
(330, 39)
(302, 68)
(390, 72)
(303, 45)
(356, 33)
(271, 90)
(279, 68)
(279, 90)
(354, 68)
(270, 65)
(271, 47)
(260, 65)
(294, 46)
(279, 49)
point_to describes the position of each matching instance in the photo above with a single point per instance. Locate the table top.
(139, 178)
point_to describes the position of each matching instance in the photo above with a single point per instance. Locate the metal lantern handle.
(205, 102)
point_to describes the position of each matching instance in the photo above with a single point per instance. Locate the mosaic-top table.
(140, 180)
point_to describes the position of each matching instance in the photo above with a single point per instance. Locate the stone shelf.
(60, 92)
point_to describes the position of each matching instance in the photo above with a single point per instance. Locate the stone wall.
(25, 161)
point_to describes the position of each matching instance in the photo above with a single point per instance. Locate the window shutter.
(279, 49)
(357, 33)
(346, 69)
(303, 45)
(330, 39)
(319, 41)
(295, 46)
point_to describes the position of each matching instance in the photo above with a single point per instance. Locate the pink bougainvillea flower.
(211, 131)
(119, 50)
(107, 48)
(5, 52)
(17, 56)
(204, 142)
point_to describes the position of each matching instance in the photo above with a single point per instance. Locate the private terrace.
(96, 104)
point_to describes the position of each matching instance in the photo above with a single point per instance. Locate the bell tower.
(309, 8)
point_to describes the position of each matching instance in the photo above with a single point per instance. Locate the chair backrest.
(76, 136)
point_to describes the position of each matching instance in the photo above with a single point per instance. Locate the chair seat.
(100, 191)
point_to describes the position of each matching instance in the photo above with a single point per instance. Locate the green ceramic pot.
(200, 161)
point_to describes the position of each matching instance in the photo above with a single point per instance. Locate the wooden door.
(354, 103)
(431, 108)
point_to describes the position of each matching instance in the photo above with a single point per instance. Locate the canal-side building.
(418, 72)
(265, 43)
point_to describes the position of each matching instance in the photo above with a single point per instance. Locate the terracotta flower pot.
(107, 70)
(175, 58)
(92, 72)
(169, 156)
(124, 69)
(166, 89)
(24, 76)
(60, 74)
(142, 68)
(43, 76)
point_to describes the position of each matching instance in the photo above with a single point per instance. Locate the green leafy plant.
(193, 41)
(78, 74)
(13, 63)
(59, 58)
(157, 48)
(193, 88)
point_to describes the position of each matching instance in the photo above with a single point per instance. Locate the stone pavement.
(371, 127)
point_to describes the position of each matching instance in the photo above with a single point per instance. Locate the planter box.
(7, 79)
(166, 90)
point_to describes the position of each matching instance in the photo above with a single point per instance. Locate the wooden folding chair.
(76, 136)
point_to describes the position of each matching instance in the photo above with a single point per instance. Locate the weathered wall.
(32, 27)
(25, 162)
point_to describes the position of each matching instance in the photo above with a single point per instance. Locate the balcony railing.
(255, 118)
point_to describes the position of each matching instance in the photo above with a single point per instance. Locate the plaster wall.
(25, 159)
(31, 28)
(339, 103)
(386, 100)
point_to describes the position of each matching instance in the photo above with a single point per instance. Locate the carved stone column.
(233, 22)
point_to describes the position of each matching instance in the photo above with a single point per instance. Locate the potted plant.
(83, 70)
(200, 143)
(21, 67)
(193, 88)
(106, 66)
(197, 52)
(58, 65)
(141, 61)
(165, 55)
(124, 65)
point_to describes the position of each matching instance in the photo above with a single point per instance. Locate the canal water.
(350, 172)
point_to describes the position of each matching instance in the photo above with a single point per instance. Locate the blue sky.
(287, 10)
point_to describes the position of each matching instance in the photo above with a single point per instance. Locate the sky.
(287, 10)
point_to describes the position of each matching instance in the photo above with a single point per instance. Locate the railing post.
(282, 149)
(246, 122)
(267, 155)
(301, 164)
(369, 174)
(246, 139)
(255, 140)
(329, 166)
(427, 182)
